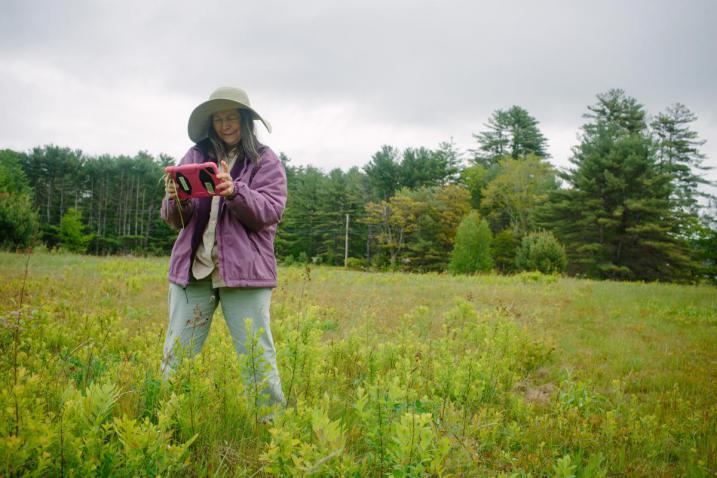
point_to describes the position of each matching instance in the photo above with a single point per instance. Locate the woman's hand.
(226, 186)
(170, 187)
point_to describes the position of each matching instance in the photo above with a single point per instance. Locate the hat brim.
(198, 127)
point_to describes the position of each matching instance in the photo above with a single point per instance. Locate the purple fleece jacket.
(246, 224)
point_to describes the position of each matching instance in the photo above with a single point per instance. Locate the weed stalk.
(16, 345)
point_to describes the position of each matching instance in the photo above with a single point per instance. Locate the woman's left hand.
(226, 185)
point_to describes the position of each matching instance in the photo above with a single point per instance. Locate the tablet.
(198, 180)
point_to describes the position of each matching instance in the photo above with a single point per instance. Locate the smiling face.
(226, 125)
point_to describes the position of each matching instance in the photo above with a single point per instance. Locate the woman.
(225, 248)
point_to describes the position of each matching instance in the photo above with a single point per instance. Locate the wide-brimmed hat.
(223, 98)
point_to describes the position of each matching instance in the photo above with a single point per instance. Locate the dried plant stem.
(295, 352)
(255, 384)
(16, 345)
(380, 432)
(197, 320)
(465, 398)
(62, 445)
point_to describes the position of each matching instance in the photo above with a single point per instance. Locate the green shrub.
(356, 264)
(540, 251)
(104, 245)
(303, 258)
(529, 277)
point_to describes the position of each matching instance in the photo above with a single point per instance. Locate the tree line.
(629, 207)
(98, 205)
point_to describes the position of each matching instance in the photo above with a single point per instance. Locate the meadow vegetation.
(386, 374)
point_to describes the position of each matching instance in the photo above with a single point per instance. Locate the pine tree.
(513, 132)
(678, 153)
(384, 173)
(616, 217)
(118, 198)
(303, 225)
(448, 155)
(705, 241)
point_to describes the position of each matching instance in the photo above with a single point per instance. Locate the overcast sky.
(339, 79)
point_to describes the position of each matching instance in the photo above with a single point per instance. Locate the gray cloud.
(421, 71)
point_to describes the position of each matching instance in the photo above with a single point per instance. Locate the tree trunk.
(119, 206)
(136, 209)
(49, 195)
(62, 198)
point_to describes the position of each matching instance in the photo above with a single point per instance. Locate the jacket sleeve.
(262, 204)
(177, 213)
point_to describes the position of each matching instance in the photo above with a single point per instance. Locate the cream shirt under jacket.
(206, 261)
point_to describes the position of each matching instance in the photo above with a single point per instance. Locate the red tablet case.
(195, 180)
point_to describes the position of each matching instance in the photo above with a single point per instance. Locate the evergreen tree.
(705, 244)
(616, 218)
(390, 170)
(505, 244)
(18, 220)
(303, 227)
(314, 221)
(419, 168)
(471, 252)
(286, 235)
(55, 175)
(422, 167)
(706, 241)
(384, 173)
(513, 132)
(119, 198)
(343, 196)
(678, 153)
(450, 157)
(72, 236)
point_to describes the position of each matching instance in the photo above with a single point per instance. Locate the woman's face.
(226, 125)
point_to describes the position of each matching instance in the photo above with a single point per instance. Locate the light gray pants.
(191, 310)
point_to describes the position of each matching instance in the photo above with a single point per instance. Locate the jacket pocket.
(250, 236)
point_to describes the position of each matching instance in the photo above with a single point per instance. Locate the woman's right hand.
(170, 187)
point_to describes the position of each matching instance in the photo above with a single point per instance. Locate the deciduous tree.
(394, 219)
(471, 252)
(520, 186)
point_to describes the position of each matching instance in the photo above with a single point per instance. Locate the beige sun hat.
(223, 98)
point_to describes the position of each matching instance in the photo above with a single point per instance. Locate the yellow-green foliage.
(385, 375)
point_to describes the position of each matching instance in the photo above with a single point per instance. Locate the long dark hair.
(249, 146)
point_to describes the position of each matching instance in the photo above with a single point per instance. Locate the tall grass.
(385, 374)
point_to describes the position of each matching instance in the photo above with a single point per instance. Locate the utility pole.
(346, 243)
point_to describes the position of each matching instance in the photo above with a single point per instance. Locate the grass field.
(386, 375)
